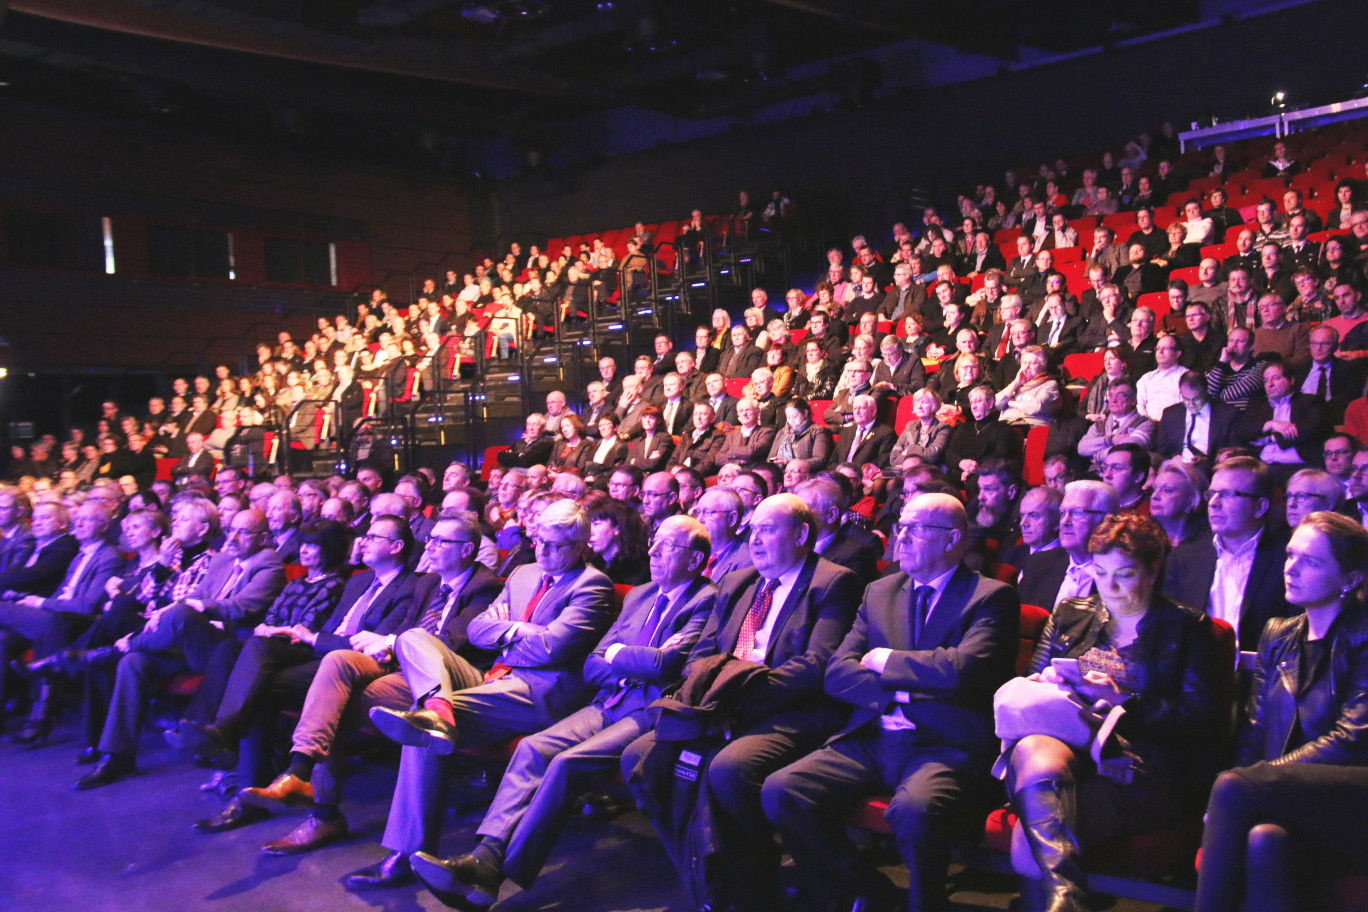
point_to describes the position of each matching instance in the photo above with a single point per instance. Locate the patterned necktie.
(921, 606)
(755, 620)
(1323, 383)
(500, 669)
(431, 621)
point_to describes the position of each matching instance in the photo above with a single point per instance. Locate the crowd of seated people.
(823, 522)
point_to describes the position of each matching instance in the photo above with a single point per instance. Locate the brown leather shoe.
(286, 791)
(309, 835)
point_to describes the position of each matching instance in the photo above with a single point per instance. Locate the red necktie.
(500, 669)
(755, 620)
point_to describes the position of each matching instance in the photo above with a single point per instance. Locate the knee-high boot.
(1046, 810)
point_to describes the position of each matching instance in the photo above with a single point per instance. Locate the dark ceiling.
(446, 75)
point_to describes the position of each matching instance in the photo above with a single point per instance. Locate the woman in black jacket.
(618, 538)
(1134, 649)
(1297, 802)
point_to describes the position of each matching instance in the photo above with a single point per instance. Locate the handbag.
(1023, 707)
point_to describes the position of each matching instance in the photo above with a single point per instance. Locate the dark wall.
(854, 170)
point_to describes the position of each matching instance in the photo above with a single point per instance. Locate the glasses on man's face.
(1214, 494)
(1300, 497)
(1078, 514)
(438, 542)
(1335, 454)
(372, 537)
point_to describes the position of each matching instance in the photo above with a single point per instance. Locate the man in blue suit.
(642, 652)
(929, 647)
(543, 625)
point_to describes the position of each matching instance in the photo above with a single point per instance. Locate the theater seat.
(490, 460)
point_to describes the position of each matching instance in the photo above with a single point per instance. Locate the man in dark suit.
(199, 419)
(597, 407)
(374, 606)
(16, 536)
(1236, 575)
(1286, 428)
(50, 554)
(543, 624)
(724, 405)
(1334, 381)
(742, 357)
(929, 647)
(782, 618)
(1139, 276)
(532, 448)
(1066, 571)
(1058, 330)
(897, 373)
(721, 511)
(663, 362)
(238, 585)
(196, 461)
(441, 604)
(643, 652)
(699, 446)
(1197, 428)
(904, 298)
(856, 551)
(865, 440)
(283, 517)
(676, 411)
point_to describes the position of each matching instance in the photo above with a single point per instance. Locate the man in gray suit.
(238, 585)
(721, 511)
(543, 624)
(351, 681)
(644, 651)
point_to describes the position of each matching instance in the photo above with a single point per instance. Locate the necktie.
(431, 621)
(351, 621)
(855, 442)
(232, 580)
(500, 669)
(754, 620)
(74, 575)
(921, 606)
(670, 410)
(1187, 442)
(1002, 345)
(646, 636)
(1323, 383)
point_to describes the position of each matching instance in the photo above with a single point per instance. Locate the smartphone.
(1067, 669)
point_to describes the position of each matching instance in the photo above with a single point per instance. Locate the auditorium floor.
(129, 847)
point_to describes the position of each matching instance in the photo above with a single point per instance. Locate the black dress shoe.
(111, 769)
(420, 728)
(234, 815)
(74, 660)
(40, 670)
(34, 731)
(88, 756)
(203, 741)
(440, 876)
(393, 871)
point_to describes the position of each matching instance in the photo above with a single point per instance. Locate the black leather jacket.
(1333, 713)
(1178, 718)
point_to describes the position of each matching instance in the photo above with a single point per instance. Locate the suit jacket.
(909, 377)
(966, 651)
(1307, 413)
(1192, 565)
(524, 453)
(89, 593)
(262, 580)
(481, 588)
(1042, 576)
(387, 613)
(724, 412)
(1345, 382)
(643, 670)
(1068, 337)
(289, 549)
(735, 364)
(737, 558)
(735, 448)
(875, 448)
(1173, 429)
(203, 423)
(683, 418)
(701, 454)
(616, 455)
(42, 571)
(811, 624)
(858, 551)
(201, 463)
(813, 443)
(652, 460)
(16, 548)
(548, 650)
(708, 360)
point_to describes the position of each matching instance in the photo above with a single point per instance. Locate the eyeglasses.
(1335, 454)
(1209, 496)
(700, 514)
(552, 545)
(1303, 496)
(920, 529)
(370, 537)
(435, 542)
(1078, 513)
